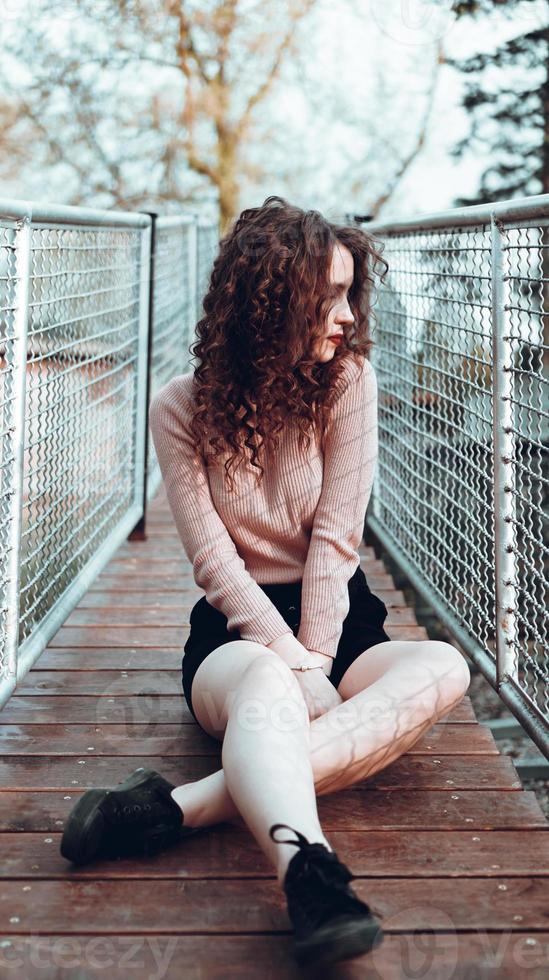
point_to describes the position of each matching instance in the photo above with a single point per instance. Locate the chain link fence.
(184, 249)
(97, 310)
(460, 496)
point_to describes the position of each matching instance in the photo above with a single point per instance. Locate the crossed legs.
(276, 762)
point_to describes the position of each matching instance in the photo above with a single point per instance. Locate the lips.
(336, 338)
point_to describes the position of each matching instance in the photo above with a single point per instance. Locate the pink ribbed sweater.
(305, 521)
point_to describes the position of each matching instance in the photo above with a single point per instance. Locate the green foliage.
(509, 110)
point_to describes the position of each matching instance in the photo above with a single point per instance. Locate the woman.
(268, 453)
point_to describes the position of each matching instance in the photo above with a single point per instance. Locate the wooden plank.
(480, 954)
(179, 615)
(172, 545)
(220, 957)
(87, 709)
(143, 600)
(140, 578)
(155, 600)
(111, 658)
(101, 682)
(121, 658)
(454, 773)
(116, 636)
(377, 853)
(129, 616)
(180, 740)
(175, 566)
(169, 636)
(122, 906)
(351, 809)
(123, 708)
(113, 680)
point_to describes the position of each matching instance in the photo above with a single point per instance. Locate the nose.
(344, 314)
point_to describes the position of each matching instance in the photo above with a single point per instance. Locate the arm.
(350, 457)
(217, 566)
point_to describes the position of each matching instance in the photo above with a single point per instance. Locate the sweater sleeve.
(350, 457)
(217, 566)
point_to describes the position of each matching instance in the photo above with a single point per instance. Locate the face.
(340, 315)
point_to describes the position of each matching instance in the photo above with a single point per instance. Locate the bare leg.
(393, 693)
(266, 757)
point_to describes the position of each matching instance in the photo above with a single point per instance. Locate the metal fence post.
(21, 246)
(504, 470)
(139, 532)
(374, 505)
(192, 278)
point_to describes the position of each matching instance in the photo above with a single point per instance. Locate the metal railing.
(460, 496)
(184, 245)
(96, 312)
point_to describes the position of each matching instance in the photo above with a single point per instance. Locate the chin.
(328, 353)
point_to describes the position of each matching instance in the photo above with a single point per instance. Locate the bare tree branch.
(406, 163)
(298, 13)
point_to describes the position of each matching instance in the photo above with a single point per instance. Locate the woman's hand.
(289, 649)
(319, 693)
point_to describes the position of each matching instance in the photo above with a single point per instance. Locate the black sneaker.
(330, 921)
(138, 816)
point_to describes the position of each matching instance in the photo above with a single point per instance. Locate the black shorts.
(362, 627)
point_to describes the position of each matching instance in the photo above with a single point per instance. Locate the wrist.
(325, 657)
(313, 662)
(284, 645)
(279, 640)
(318, 653)
(291, 651)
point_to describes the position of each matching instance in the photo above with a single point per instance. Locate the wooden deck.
(448, 847)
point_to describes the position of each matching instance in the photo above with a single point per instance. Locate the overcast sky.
(353, 103)
(394, 41)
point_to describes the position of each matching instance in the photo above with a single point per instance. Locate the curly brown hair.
(264, 311)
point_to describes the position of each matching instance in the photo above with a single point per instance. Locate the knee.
(452, 663)
(268, 692)
(270, 678)
(268, 668)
